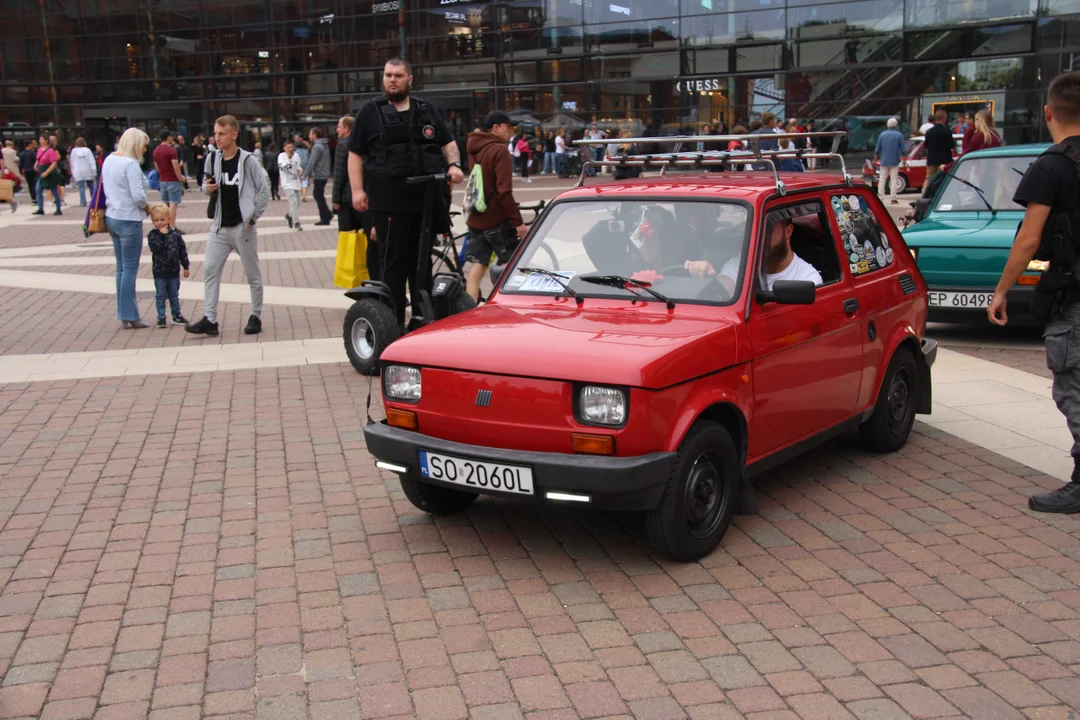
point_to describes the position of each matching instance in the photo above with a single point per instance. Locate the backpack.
(475, 202)
(153, 179)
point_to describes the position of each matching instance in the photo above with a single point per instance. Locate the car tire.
(889, 426)
(701, 494)
(435, 499)
(901, 184)
(370, 326)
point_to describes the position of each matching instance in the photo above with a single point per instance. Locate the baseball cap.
(496, 117)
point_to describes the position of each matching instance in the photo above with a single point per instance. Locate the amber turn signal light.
(401, 419)
(1028, 280)
(592, 444)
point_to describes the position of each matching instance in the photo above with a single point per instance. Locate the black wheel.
(894, 413)
(370, 326)
(435, 499)
(700, 497)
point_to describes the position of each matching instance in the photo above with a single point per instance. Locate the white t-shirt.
(797, 269)
(560, 145)
(924, 127)
(291, 169)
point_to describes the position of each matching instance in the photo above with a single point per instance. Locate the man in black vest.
(395, 138)
(1050, 191)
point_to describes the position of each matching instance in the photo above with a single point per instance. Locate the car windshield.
(992, 178)
(689, 251)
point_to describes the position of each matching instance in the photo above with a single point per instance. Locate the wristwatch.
(457, 165)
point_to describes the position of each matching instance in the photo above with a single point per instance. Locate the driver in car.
(660, 246)
(781, 262)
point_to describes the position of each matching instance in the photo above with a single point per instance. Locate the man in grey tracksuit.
(243, 190)
(318, 170)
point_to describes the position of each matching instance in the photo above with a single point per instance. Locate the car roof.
(1010, 151)
(735, 185)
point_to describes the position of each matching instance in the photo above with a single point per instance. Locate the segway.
(371, 323)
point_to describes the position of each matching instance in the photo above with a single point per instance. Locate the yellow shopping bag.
(351, 266)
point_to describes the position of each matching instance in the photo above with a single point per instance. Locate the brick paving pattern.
(1032, 361)
(221, 545)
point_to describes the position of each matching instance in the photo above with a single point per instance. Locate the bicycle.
(448, 255)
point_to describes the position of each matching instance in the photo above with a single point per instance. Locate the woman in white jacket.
(83, 169)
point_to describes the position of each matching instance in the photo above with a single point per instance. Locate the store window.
(759, 57)
(849, 18)
(926, 13)
(714, 30)
(606, 11)
(848, 51)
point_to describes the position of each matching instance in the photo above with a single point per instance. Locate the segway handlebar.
(417, 179)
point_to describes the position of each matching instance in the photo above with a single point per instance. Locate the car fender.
(732, 388)
(904, 334)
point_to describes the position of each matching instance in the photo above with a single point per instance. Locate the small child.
(169, 253)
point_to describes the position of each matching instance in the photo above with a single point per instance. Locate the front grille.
(483, 398)
(907, 284)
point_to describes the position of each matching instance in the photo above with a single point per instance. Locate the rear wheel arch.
(904, 340)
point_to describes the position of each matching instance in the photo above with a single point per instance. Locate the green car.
(963, 242)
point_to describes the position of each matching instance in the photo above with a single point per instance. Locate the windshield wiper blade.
(976, 188)
(618, 281)
(557, 278)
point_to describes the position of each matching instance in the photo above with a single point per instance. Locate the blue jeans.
(560, 162)
(167, 288)
(549, 163)
(86, 189)
(56, 197)
(127, 245)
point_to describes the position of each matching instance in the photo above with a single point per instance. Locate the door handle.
(851, 306)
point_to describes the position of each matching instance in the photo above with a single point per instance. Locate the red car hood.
(636, 345)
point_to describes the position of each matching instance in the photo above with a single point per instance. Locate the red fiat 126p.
(656, 342)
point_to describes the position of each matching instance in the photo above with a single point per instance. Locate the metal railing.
(751, 155)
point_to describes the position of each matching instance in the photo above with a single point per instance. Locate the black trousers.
(31, 184)
(275, 181)
(397, 245)
(325, 215)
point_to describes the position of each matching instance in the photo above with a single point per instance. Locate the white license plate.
(476, 474)
(960, 300)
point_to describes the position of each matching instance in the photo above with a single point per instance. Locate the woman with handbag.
(125, 207)
(47, 165)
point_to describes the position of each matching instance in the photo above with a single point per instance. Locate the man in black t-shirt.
(939, 146)
(395, 138)
(1050, 186)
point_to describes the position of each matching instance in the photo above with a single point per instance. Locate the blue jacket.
(890, 146)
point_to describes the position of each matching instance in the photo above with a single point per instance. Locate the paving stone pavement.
(220, 545)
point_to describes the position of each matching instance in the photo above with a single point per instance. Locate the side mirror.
(789, 292)
(495, 272)
(922, 206)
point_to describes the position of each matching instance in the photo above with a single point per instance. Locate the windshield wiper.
(618, 281)
(976, 188)
(557, 278)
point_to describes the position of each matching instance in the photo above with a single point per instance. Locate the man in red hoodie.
(499, 228)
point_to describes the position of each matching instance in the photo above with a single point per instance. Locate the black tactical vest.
(404, 149)
(1059, 286)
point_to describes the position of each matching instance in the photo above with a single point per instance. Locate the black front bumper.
(612, 483)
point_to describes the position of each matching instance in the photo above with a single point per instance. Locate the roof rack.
(752, 155)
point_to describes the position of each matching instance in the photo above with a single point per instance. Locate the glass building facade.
(93, 67)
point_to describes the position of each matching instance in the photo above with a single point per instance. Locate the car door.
(869, 239)
(808, 359)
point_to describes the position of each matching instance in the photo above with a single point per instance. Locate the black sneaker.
(179, 320)
(38, 212)
(1065, 500)
(323, 223)
(161, 323)
(58, 213)
(288, 219)
(254, 326)
(203, 327)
